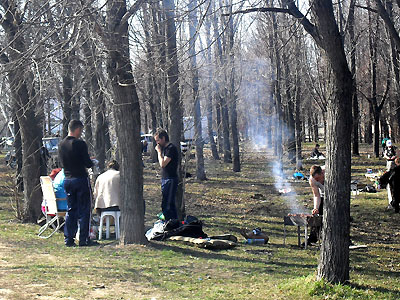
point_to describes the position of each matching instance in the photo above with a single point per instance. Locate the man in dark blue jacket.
(74, 158)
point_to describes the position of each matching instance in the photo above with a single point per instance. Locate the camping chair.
(51, 211)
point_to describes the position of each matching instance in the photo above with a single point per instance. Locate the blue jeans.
(79, 203)
(168, 189)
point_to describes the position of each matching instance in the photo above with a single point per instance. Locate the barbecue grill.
(301, 220)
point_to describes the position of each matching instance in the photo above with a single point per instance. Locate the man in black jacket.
(74, 158)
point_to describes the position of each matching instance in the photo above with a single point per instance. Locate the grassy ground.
(32, 268)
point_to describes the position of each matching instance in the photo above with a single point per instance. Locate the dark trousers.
(316, 230)
(168, 189)
(79, 203)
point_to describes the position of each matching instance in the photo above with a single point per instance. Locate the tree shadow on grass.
(270, 265)
(376, 289)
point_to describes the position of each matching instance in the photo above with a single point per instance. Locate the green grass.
(33, 268)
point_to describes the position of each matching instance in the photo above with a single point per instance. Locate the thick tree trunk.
(200, 171)
(334, 262)
(127, 122)
(175, 113)
(25, 101)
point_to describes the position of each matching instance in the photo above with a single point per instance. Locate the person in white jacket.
(106, 189)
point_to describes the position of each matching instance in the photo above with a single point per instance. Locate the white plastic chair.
(52, 214)
(107, 214)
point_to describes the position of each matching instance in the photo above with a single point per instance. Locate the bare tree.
(193, 24)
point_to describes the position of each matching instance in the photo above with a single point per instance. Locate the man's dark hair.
(113, 165)
(74, 124)
(315, 170)
(317, 145)
(161, 133)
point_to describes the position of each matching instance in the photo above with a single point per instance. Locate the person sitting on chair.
(106, 189)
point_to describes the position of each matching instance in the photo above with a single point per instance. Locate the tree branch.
(388, 82)
(259, 9)
(388, 22)
(366, 8)
(291, 10)
(132, 10)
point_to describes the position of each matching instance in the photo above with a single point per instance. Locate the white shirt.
(106, 190)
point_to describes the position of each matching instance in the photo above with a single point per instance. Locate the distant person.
(106, 189)
(74, 158)
(316, 153)
(168, 157)
(389, 153)
(316, 181)
(144, 146)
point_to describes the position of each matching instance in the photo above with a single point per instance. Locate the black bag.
(369, 189)
(191, 227)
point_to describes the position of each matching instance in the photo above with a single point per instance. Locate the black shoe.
(89, 243)
(70, 244)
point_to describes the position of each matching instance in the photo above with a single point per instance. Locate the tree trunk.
(368, 135)
(278, 100)
(67, 84)
(334, 262)
(18, 153)
(373, 69)
(98, 104)
(356, 110)
(209, 96)
(396, 72)
(175, 114)
(222, 94)
(200, 171)
(88, 119)
(219, 121)
(315, 128)
(232, 94)
(25, 101)
(297, 108)
(127, 122)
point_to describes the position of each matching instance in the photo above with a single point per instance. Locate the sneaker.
(89, 243)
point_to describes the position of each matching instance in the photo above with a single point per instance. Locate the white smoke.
(283, 185)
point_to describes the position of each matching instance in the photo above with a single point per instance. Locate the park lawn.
(33, 268)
